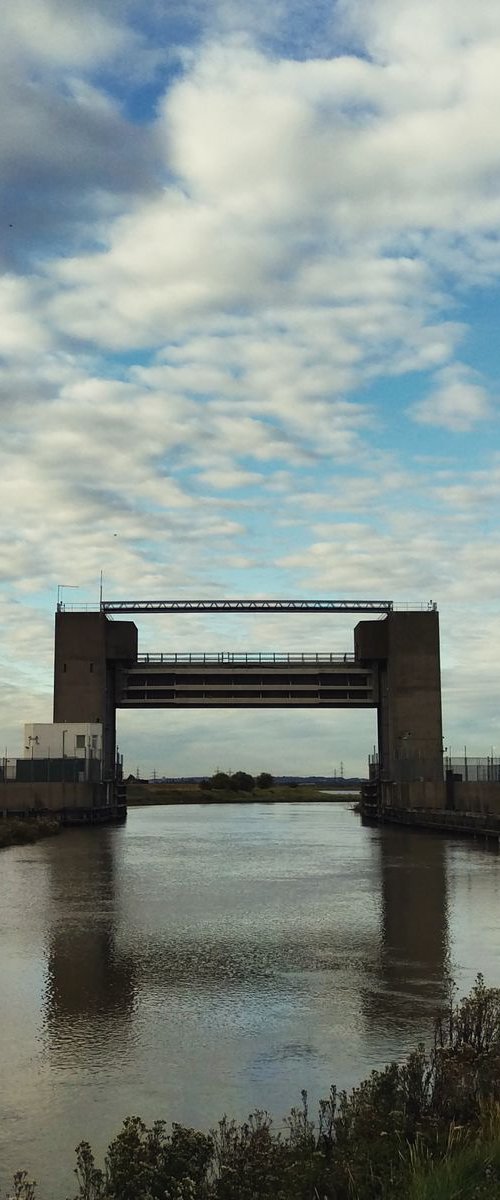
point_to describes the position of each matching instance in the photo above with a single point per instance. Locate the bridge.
(231, 680)
(393, 667)
(243, 606)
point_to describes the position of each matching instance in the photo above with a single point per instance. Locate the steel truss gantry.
(246, 606)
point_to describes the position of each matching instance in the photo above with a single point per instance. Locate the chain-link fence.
(467, 768)
(474, 770)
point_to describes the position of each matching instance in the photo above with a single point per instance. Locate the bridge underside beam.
(291, 701)
(250, 685)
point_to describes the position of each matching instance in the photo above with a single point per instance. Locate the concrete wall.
(60, 740)
(432, 795)
(405, 648)
(48, 797)
(477, 797)
(414, 695)
(80, 668)
(370, 640)
(415, 794)
(88, 649)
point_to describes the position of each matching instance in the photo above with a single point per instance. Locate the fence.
(474, 770)
(467, 768)
(49, 770)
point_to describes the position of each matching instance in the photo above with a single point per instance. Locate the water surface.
(210, 959)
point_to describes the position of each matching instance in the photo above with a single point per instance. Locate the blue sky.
(250, 297)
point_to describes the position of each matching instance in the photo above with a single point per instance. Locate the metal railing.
(90, 607)
(382, 607)
(407, 606)
(241, 656)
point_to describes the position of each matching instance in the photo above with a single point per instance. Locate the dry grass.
(181, 792)
(14, 832)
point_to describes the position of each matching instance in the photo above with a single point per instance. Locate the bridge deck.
(240, 680)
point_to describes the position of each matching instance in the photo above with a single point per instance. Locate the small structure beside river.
(62, 776)
(466, 800)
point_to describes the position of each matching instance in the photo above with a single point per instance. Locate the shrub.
(222, 782)
(147, 1164)
(264, 780)
(15, 832)
(242, 782)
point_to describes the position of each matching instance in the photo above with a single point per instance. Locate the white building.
(71, 739)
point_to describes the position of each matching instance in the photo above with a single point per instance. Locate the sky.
(249, 343)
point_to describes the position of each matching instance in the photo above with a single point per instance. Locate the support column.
(88, 650)
(405, 649)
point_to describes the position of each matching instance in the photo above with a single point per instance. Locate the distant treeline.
(352, 782)
(237, 781)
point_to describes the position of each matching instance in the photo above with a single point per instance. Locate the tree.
(241, 782)
(222, 782)
(264, 780)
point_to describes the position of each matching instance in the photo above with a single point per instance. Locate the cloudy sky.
(248, 339)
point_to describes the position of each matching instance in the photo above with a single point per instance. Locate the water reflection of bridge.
(413, 967)
(98, 968)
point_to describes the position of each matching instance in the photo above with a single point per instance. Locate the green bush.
(242, 782)
(222, 782)
(264, 780)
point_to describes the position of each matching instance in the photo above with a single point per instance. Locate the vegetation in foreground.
(424, 1129)
(15, 832)
(236, 788)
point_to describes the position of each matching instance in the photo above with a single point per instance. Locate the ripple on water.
(213, 959)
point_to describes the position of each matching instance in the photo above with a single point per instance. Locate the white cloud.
(68, 155)
(22, 333)
(456, 401)
(420, 32)
(220, 297)
(362, 142)
(62, 33)
(402, 555)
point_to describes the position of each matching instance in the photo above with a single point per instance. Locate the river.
(211, 959)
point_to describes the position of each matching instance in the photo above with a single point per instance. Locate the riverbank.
(21, 833)
(426, 1128)
(184, 792)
